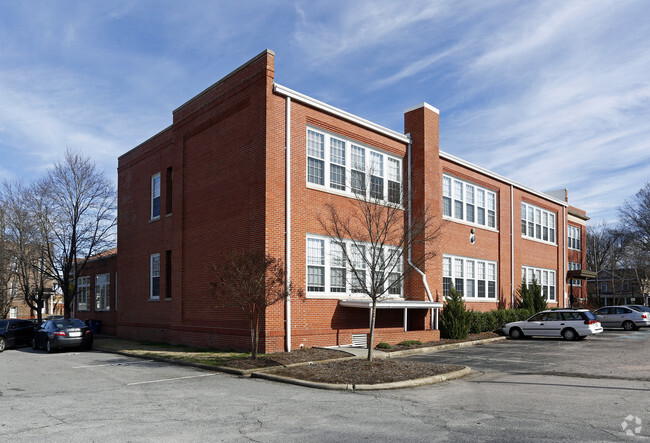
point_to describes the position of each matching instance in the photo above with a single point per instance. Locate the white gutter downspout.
(434, 321)
(564, 264)
(287, 233)
(512, 247)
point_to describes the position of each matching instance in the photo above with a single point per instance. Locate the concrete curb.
(431, 349)
(379, 386)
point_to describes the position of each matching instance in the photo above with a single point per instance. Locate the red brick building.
(250, 164)
(96, 297)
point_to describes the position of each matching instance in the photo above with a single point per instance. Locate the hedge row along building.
(250, 164)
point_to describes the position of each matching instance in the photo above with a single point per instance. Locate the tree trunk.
(371, 336)
(253, 344)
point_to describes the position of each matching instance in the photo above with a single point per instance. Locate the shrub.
(494, 320)
(409, 343)
(383, 345)
(455, 319)
(530, 297)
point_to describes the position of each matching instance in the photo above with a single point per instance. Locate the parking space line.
(169, 379)
(113, 364)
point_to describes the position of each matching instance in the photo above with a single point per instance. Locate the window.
(573, 237)
(603, 287)
(315, 157)
(476, 279)
(169, 190)
(371, 172)
(13, 312)
(575, 267)
(468, 202)
(168, 275)
(102, 292)
(83, 293)
(537, 223)
(544, 278)
(154, 277)
(155, 196)
(330, 274)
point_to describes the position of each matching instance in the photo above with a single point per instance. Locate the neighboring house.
(96, 297)
(620, 287)
(250, 164)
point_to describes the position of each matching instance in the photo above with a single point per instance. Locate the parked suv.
(622, 317)
(15, 332)
(572, 324)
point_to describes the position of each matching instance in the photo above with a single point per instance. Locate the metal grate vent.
(360, 340)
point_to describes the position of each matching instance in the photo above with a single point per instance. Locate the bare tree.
(29, 240)
(7, 263)
(77, 207)
(603, 250)
(635, 216)
(371, 236)
(251, 282)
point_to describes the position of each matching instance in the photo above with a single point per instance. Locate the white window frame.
(467, 269)
(154, 272)
(546, 278)
(574, 237)
(463, 201)
(328, 263)
(102, 292)
(155, 193)
(377, 164)
(539, 222)
(83, 293)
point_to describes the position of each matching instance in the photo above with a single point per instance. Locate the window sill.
(154, 299)
(473, 225)
(548, 243)
(351, 195)
(151, 220)
(346, 296)
(484, 300)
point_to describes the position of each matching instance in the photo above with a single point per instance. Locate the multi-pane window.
(154, 277)
(83, 293)
(544, 278)
(330, 274)
(537, 223)
(337, 164)
(468, 202)
(476, 279)
(315, 265)
(376, 175)
(344, 165)
(155, 196)
(102, 292)
(315, 157)
(575, 267)
(573, 237)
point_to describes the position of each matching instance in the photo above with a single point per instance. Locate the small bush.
(383, 345)
(530, 297)
(455, 319)
(494, 320)
(409, 343)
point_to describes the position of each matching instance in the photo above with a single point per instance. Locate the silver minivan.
(622, 317)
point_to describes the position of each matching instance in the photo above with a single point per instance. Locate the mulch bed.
(443, 341)
(357, 372)
(287, 358)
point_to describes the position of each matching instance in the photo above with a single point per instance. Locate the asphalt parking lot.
(614, 354)
(582, 391)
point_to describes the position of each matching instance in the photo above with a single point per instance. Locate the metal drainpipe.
(287, 234)
(434, 324)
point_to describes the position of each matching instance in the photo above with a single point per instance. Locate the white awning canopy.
(391, 304)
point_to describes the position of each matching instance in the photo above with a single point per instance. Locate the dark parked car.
(15, 332)
(63, 333)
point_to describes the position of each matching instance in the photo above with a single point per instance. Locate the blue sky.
(552, 94)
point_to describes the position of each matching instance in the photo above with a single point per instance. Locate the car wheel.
(48, 346)
(34, 345)
(570, 334)
(3, 344)
(629, 325)
(515, 333)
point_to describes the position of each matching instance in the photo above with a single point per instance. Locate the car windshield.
(69, 323)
